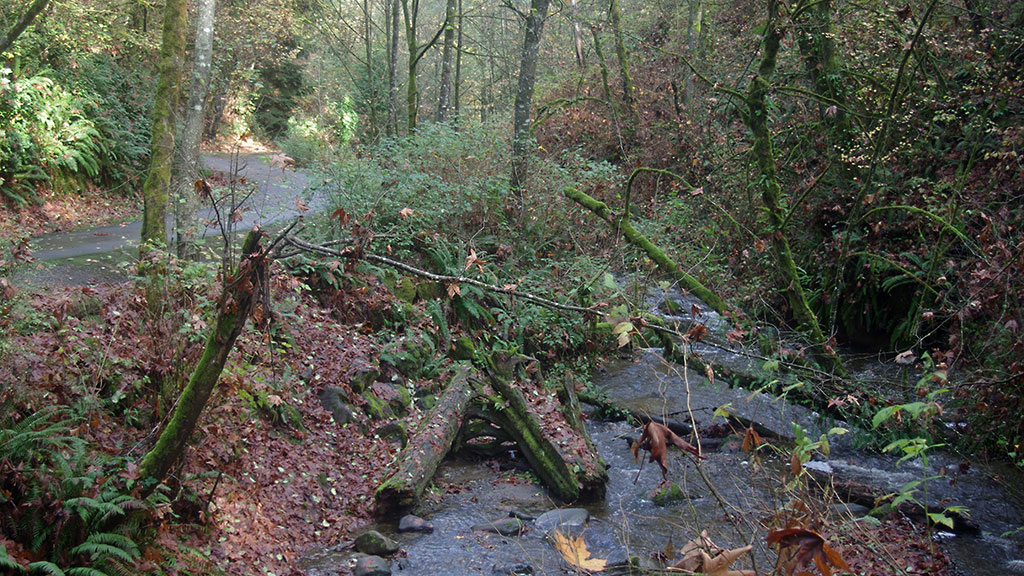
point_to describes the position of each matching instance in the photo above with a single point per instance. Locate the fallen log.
(428, 445)
(665, 264)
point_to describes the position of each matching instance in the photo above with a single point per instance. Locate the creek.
(728, 496)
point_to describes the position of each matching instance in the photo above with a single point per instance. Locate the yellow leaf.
(574, 551)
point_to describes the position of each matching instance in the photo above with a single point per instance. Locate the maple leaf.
(809, 546)
(341, 215)
(405, 213)
(474, 259)
(704, 556)
(574, 551)
(622, 331)
(453, 290)
(655, 439)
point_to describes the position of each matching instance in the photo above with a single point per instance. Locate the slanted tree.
(33, 10)
(615, 17)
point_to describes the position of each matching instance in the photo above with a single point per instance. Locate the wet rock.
(668, 494)
(518, 569)
(619, 558)
(502, 526)
(845, 510)
(409, 354)
(410, 523)
(393, 432)
(397, 397)
(372, 566)
(1015, 567)
(564, 519)
(376, 544)
(334, 400)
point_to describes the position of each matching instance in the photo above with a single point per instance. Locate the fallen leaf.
(655, 439)
(405, 213)
(809, 546)
(574, 551)
(704, 556)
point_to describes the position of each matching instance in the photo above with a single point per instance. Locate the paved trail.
(101, 254)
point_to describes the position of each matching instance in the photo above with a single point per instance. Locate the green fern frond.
(43, 567)
(85, 571)
(7, 564)
(125, 548)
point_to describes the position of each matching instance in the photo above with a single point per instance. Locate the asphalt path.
(274, 196)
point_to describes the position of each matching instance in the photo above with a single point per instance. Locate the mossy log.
(665, 264)
(428, 445)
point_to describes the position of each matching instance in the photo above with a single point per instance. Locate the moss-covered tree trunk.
(236, 302)
(665, 264)
(444, 98)
(816, 37)
(156, 188)
(615, 16)
(756, 118)
(410, 10)
(429, 445)
(34, 9)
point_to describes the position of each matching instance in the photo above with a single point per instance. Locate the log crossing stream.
(471, 503)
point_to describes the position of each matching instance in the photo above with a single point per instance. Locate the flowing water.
(728, 496)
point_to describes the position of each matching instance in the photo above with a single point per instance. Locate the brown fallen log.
(427, 446)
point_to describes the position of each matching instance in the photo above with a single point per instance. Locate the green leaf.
(941, 518)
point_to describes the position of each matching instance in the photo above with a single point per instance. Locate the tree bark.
(816, 39)
(186, 207)
(392, 127)
(156, 188)
(603, 64)
(665, 264)
(427, 447)
(458, 67)
(524, 91)
(756, 117)
(33, 10)
(370, 81)
(444, 101)
(412, 94)
(577, 34)
(620, 51)
(236, 302)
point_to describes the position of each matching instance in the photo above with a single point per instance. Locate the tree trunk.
(756, 117)
(157, 186)
(236, 302)
(33, 10)
(816, 39)
(665, 264)
(524, 92)
(602, 63)
(577, 34)
(186, 208)
(427, 447)
(694, 23)
(412, 94)
(620, 52)
(444, 100)
(458, 67)
(370, 81)
(392, 127)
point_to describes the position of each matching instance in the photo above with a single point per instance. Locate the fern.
(85, 571)
(44, 567)
(7, 564)
(106, 545)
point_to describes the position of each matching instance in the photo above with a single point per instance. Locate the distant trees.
(26, 18)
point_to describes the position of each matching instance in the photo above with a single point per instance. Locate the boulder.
(375, 544)
(410, 523)
(334, 399)
(668, 494)
(562, 519)
(372, 566)
(504, 526)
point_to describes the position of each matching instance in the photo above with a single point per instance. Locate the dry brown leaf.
(704, 556)
(655, 439)
(574, 551)
(807, 546)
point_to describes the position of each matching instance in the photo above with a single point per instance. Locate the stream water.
(629, 523)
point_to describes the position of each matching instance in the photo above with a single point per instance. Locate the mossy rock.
(671, 307)
(398, 398)
(376, 544)
(376, 408)
(274, 408)
(464, 349)
(430, 290)
(409, 354)
(668, 494)
(405, 289)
